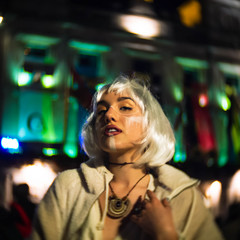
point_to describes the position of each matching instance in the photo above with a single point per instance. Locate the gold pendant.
(117, 207)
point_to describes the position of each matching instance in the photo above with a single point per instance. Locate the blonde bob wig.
(158, 142)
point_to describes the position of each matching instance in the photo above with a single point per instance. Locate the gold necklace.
(120, 207)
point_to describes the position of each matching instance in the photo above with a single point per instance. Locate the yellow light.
(213, 190)
(213, 194)
(190, 13)
(225, 103)
(48, 81)
(234, 188)
(38, 176)
(1, 19)
(141, 26)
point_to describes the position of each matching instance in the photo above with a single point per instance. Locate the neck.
(126, 173)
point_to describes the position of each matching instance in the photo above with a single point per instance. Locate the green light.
(70, 150)
(179, 156)
(49, 60)
(178, 94)
(22, 133)
(225, 103)
(142, 54)
(49, 134)
(89, 46)
(235, 137)
(191, 63)
(99, 86)
(48, 81)
(24, 78)
(15, 151)
(50, 151)
(222, 160)
(37, 40)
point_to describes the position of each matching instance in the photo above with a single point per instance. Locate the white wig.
(158, 141)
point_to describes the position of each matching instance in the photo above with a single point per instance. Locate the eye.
(124, 108)
(101, 110)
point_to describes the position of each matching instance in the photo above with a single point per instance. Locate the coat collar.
(96, 175)
(169, 181)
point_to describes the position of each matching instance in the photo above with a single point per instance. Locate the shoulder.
(68, 176)
(67, 179)
(173, 176)
(90, 175)
(73, 176)
(174, 181)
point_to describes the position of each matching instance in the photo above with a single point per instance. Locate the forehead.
(116, 96)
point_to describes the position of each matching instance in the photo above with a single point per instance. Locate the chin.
(117, 149)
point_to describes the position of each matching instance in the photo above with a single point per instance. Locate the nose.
(110, 115)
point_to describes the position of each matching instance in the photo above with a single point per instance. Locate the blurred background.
(55, 54)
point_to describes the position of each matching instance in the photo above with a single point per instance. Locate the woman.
(125, 190)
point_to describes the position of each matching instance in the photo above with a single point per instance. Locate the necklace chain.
(125, 197)
(120, 164)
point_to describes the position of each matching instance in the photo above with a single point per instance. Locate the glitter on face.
(112, 144)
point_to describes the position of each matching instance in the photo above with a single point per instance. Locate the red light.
(203, 100)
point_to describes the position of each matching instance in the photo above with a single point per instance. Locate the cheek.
(98, 125)
(134, 123)
(97, 131)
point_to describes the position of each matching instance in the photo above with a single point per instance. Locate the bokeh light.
(141, 26)
(39, 176)
(213, 194)
(234, 188)
(203, 100)
(48, 81)
(24, 78)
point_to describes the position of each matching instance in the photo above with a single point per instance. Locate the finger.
(166, 203)
(144, 202)
(138, 206)
(139, 200)
(151, 195)
(134, 218)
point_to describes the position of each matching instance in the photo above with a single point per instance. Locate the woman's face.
(119, 122)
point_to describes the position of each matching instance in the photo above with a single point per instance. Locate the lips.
(112, 130)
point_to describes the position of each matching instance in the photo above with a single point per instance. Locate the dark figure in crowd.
(23, 209)
(8, 228)
(22, 197)
(126, 190)
(230, 226)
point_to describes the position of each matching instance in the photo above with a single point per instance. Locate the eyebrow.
(124, 98)
(102, 102)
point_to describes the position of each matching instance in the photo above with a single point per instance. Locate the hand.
(156, 218)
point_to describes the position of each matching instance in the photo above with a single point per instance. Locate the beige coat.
(66, 205)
